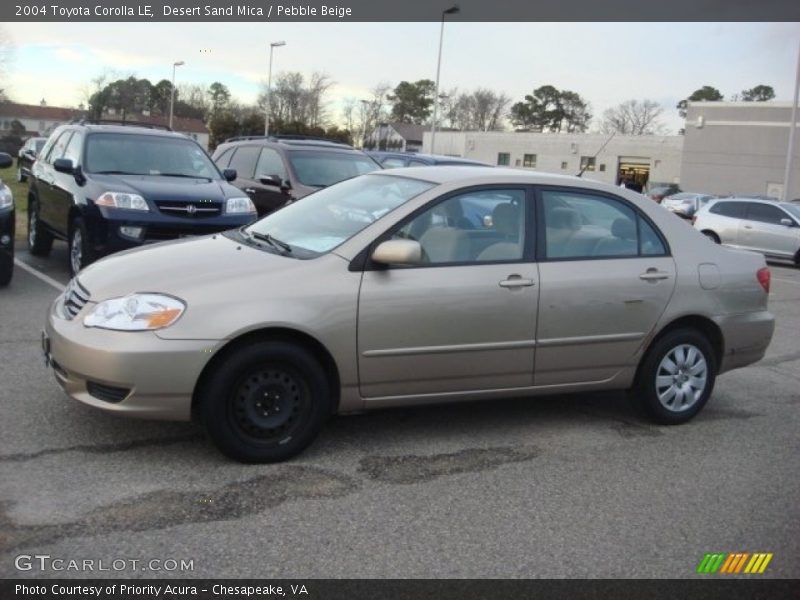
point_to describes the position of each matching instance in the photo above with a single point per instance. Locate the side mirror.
(787, 222)
(398, 252)
(64, 165)
(270, 180)
(229, 174)
(5, 160)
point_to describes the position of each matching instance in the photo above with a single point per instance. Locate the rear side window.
(764, 213)
(585, 226)
(244, 161)
(729, 209)
(393, 163)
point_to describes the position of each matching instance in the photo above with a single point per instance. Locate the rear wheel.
(80, 251)
(676, 377)
(266, 402)
(40, 241)
(712, 236)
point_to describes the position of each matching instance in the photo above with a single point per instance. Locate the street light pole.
(364, 110)
(450, 11)
(175, 65)
(788, 175)
(272, 47)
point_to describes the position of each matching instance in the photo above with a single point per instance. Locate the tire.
(672, 397)
(6, 267)
(712, 236)
(80, 250)
(266, 402)
(40, 241)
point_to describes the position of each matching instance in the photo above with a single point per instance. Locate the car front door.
(269, 196)
(763, 231)
(465, 318)
(244, 161)
(64, 183)
(49, 181)
(605, 279)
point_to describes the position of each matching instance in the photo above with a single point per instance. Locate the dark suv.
(274, 170)
(105, 188)
(6, 225)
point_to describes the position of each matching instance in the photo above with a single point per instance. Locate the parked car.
(394, 160)
(7, 220)
(766, 226)
(27, 155)
(275, 170)
(369, 294)
(105, 188)
(659, 192)
(686, 204)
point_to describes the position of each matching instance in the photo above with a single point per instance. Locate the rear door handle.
(516, 281)
(653, 275)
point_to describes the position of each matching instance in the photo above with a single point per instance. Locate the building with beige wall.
(650, 159)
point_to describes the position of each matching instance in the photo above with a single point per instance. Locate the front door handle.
(747, 226)
(249, 191)
(516, 281)
(654, 275)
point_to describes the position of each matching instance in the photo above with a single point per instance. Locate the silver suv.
(769, 227)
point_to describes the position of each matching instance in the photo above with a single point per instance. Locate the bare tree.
(481, 110)
(375, 110)
(634, 117)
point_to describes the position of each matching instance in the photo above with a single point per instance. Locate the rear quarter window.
(729, 209)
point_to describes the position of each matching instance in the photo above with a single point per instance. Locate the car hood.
(159, 187)
(187, 268)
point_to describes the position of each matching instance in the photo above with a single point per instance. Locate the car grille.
(193, 210)
(107, 393)
(75, 298)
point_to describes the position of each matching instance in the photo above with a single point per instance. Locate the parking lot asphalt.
(569, 486)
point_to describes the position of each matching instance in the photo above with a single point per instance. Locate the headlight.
(6, 197)
(239, 206)
(122, 200)
(136, 312)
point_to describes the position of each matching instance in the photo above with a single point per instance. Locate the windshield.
(320, 222)
(130, 154)
(321, 169)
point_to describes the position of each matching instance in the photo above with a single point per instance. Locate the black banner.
(399, 589)
(255, 11)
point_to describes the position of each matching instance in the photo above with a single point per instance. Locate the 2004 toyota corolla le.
(405, 287)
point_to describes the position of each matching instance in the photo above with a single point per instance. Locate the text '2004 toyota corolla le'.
(405, 287)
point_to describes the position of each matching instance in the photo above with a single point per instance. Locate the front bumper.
(149, 377)
(746, 336)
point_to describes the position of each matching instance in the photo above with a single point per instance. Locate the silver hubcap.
(681, 378)
(32, 228)
(75, 251)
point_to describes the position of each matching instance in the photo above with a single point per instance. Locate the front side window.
(223, 159)
(579, 225)
(157, 155)
(321, 169)
(73, 149)
(474, 227)
(504, 158)
(244, 161)
(323, 220)
(270, 163)
(393, 163)
(764, 213)
(58, 147)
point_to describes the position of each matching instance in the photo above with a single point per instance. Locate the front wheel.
(80, 250)
(40, 241)
(676, 377)
(6, 265)
(712, 236)
(266, 402)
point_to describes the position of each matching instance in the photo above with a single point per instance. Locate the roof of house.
(409, 131)
(14, 110)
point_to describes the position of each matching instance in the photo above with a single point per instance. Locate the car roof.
(441, 174)
(427, 157)
(317, 145)
(129, 129)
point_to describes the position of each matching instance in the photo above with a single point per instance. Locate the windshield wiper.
(184, 175)
(275, 243)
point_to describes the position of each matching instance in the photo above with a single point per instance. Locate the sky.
(606, 63)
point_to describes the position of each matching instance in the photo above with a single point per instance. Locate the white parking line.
(38, 274)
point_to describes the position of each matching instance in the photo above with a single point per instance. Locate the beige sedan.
(411, 286)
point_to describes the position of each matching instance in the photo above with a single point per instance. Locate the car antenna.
(586, 166)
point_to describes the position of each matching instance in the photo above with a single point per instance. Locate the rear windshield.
(321, 169)
(131, 154)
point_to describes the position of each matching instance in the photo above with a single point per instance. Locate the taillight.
(763, 276)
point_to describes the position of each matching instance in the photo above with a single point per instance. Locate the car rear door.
(606, 277)
(725, 220)
(465, 319)
(763, 231)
